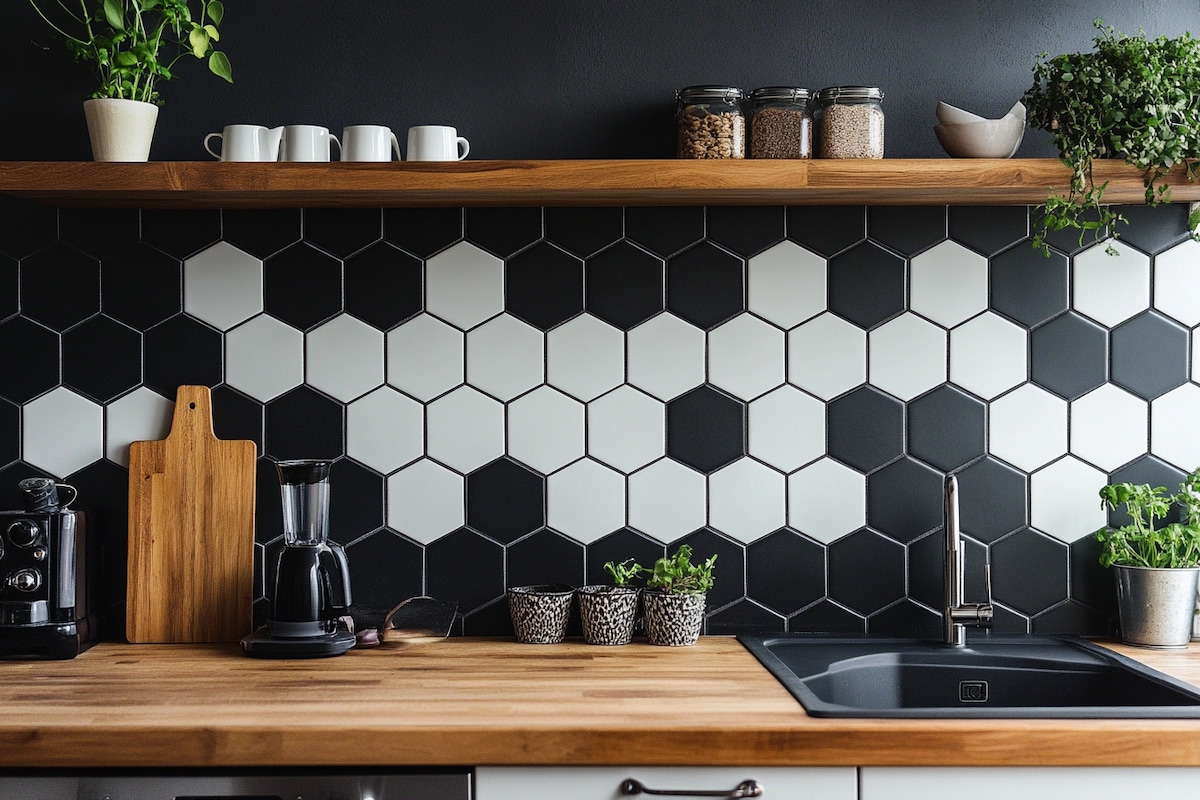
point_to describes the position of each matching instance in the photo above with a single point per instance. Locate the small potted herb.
(1132, 98)
(675, 597)
(608, 613)
(1156, 565)
(131, 45)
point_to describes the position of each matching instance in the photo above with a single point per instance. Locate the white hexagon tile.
(223, 285)
(344, 357)
(745, 357)
(1177, 282)
(827, 500)
(949, 284)
(62, 432)
(585, 357)
(464, 429)
(667, 500)
(264, 358)
(666, 356)
(1028, 427)
(385, 430)
(1108, 427)
(747, 500)
(786, 284)
(425, 501)
(464, 285)
(546, 429)
(505, 357)
(787, 428)
(425, 357)
(989, 355)
(827, 356)
(626, 429)
(1063, 499)
(1111, 289)
(141, 415)
(1174, 434)
(908, 356)
(586, 500)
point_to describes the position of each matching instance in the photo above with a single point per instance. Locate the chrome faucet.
(956, 614)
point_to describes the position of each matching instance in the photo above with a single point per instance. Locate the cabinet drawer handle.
(747, 788)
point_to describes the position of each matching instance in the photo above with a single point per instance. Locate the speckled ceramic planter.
(540, 613)
(673, 620)
(608, 614)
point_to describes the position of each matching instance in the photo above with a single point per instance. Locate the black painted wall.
(568, 78)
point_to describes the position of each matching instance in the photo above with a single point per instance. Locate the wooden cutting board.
(191, 531)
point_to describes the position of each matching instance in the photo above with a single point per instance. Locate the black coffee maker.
(48, 560)
(312, 577)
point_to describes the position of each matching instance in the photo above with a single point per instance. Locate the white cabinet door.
(1029, 783)
(604, 783)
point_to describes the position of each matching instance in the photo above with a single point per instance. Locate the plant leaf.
(218, 64)
(113, 15)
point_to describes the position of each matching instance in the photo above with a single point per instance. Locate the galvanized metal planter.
(1156, 605)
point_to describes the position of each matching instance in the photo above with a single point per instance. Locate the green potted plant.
(675, 597)
(608, 613)
(1156, 565)
(132, 45)
(1133, 98)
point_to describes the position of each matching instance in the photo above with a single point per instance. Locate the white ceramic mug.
(436, 143)
(306, 143)
(246, 143)
(369, 143)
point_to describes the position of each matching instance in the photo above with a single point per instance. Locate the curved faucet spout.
(957, 614)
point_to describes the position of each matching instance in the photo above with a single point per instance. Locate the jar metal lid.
(694, 94)
(852, 94)
(780, 93)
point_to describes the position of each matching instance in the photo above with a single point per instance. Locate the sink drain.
(973, 691)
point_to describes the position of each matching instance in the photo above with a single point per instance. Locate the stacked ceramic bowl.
(967, 135)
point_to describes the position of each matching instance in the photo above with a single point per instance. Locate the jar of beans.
(780, 123)
(709, 122)
(850, 122)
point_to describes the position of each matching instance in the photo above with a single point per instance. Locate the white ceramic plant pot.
(120, 130)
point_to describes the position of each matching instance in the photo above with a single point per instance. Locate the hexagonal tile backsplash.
(519, 395)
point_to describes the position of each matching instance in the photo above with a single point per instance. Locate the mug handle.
(466, 147)
(396, 147)
(208, 138)
(67, 489)
(334, 139)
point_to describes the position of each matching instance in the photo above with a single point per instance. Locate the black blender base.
(261, 644)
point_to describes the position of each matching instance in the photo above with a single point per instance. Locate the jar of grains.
(850, 122)
(780, 124)
(709, 122)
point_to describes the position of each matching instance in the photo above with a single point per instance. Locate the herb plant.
(122, 40)
(678, 575)
(1133, 97)
(1145, 542)
(624, 572)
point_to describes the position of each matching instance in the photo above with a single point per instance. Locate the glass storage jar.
(850, 122)
(709, 122)
(780, 123)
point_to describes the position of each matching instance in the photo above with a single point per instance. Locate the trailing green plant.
(123, 41)
(678, 575)
(1132, 97)
(625, 572)
(1145, 541)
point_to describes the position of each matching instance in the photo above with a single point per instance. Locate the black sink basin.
(992, 677)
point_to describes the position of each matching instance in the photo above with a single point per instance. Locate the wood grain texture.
(191, 531)
(187, 184)
(488, 701)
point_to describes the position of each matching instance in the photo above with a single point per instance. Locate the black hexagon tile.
(904, 499)
(28, 226)
(706, 429)
(422, 231)
(624, 285)
(99, 232)
(907, 229)
(1149, 355)
(385, 569)
(664, 230)
(729, 569)
(181, 351)
(946, 428)
(1029, 571)
(827, 230)
(619, 547)
(302, 286)
(342, 231)
(505, 500)
(102, 358)
(746, 230)
(1069, 356)
(29, 359)
(384, 286)
(866, 285)
(545, 557)
(305, 424)
(865, 428)
(180, 233)
(261, 233)
(10, 285)
(356, 504)
(1028, 287)
(141, 286)
(785, 571)
(60, 287)
(502, 231)
(989, 229)
(465, 568)
(10, 433)
(905, 618)
(744, 616)
(1153, 229)
(827, 617)
(544, 286)
(866, 572)
(993, 499)
(584, 231)
(706, 285)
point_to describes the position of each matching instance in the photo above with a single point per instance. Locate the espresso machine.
(311, 591)
(49, 558)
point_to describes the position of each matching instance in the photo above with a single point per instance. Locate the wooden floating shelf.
(189, 184)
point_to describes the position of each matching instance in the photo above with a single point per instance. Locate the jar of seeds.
(780, 124)
(850, 122)
(709, 122)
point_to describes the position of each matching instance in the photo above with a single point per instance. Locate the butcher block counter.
(492, 701)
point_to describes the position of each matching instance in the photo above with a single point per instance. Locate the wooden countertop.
(485, 701)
